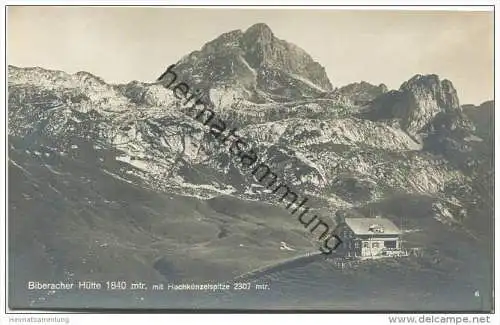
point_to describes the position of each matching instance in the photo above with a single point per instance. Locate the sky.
(121, 44)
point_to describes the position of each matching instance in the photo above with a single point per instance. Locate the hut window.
(390, 243)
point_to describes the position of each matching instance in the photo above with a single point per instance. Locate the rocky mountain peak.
(383, 88)
(417, 102)
(256, 65)
(259, 44)
(431, 87)
(427, 96)
(259, 32)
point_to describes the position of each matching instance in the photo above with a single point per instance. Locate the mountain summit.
(258, 65)
(417, 102)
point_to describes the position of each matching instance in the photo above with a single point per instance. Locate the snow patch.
(307, 82)
(139, 164)
(248, 66)
(117, 177)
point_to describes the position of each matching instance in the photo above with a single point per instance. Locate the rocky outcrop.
(427, 97)
(360, 93)
(416, 103)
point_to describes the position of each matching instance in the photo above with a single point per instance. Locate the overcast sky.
(124, 44)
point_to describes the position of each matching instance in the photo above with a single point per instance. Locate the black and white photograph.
(250, 159)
